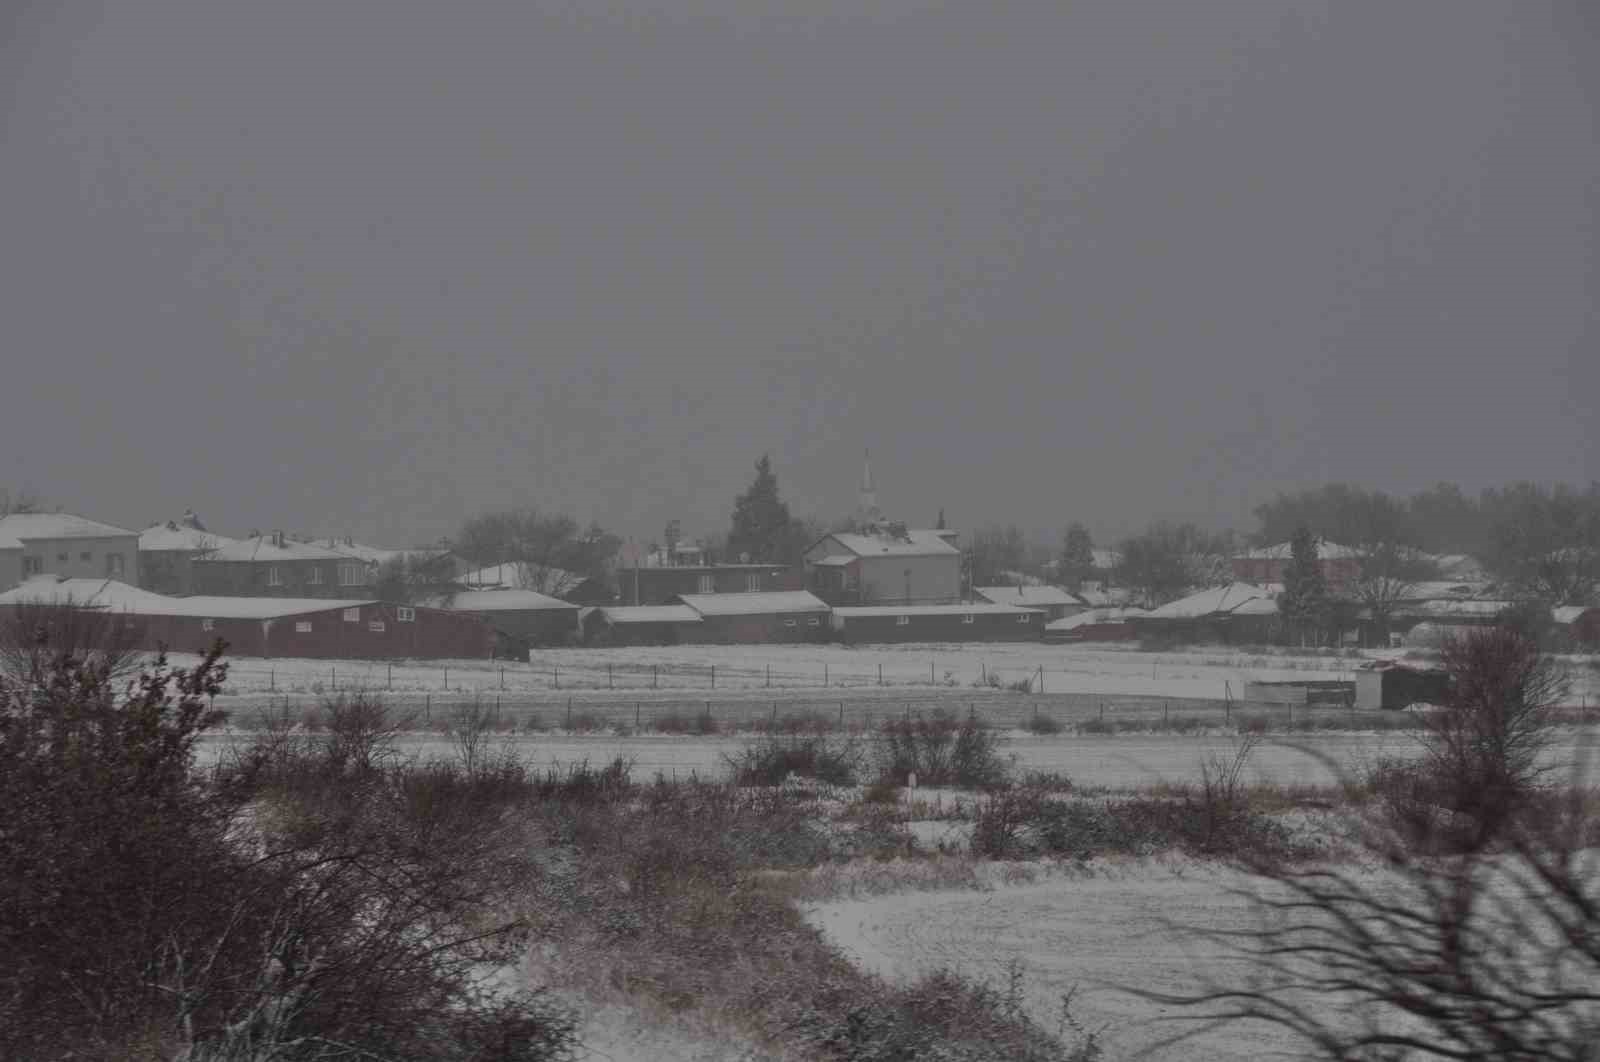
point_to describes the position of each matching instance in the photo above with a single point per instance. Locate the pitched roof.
(753, 604)
(20, 527)
(1570, 613)
(649, 614)
(1106, 597)
(1035, 596)
(1285, 551)
(264, 548)
(977, 608)
(176, 537)
(1094, 617)
(1218, 599)
(114, 596)
(915, 544)
(499, 601)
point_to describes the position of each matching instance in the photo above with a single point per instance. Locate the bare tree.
(22, 501)
(1439, 940)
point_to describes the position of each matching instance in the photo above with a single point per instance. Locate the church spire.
(867, 497)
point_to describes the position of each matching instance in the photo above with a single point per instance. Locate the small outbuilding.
(1578, 625)
(1054, 601)
(778, 616)
(641, 625)
(521, 619)
(1393, 685)
(972, 622)
(1095, 625)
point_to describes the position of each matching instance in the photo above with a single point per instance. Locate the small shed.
(641, 625)
(521, 618)
(778, 616)
(1391, 685)
(1578, 624)
(1095, 625)
(973, 622)
(1054, 601)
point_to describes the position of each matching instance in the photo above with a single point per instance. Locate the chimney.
(277, 539)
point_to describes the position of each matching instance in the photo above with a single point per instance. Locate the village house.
(780, 616)
(167, 552)
(264, 626)
(888, 564)
(277, 566)
(572, 587)
(66, 546)
(1054, 601)
(662, 585)
(1340, 565)
(641, 625)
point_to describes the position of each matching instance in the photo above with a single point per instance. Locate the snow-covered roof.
(1570, 613)
(1456, 609)
(1094, 617)
(1106, 558)
(264, 548)
(519, 573)
(753, 604)
(1432, 589)
(1106, 597)
(837, 560)
(176, 537)
(113, 596)
(499, 601)
(976, 608)
(1035, 596)
(649, 614)
(18, 528)
(1218, 599)
(914, 544)
(1285, 551)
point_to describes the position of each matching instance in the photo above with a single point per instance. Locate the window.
(752, 583)
(113, 564)
(902, 621)
(315, 577)
(813, 622)
(968, 618)
(208, 624)
(406, 615)
(32, 565)
(352, 615)
(376, 626)
(302, 626)
(1026, 617)
(350, 573)
(789, 623)
(708, 584)
(274, 576)
(86, 556)
(62, 558)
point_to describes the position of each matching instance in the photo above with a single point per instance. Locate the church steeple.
(867, 497)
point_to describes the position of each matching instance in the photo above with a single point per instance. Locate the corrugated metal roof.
(754, 604)
(20, 527)
(649, 614)
(915, 544)
(977, 608)
(113, 596)
(1037, 596)
(500, 601)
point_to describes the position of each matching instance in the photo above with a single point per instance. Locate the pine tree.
(1077, 556)
(1304, 601)
(762, 526)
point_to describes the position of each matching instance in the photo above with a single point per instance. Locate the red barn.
(254, 626)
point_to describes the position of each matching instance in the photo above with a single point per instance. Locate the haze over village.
(778, 531)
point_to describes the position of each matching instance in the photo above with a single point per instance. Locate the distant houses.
(65, 546)
(888, 564)
(278, 566)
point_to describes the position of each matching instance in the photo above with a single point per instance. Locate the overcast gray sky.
(371, 266)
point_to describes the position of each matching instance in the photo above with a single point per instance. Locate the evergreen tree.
(1077, 556)
(762, 526)
(1304, 601)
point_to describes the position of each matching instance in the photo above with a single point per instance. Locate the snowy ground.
(1100, 929)
(1211, 673)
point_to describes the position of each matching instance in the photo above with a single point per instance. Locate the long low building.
(641, 625)
(763, 617)
(521, 619)
(971, 622)
(264, 626)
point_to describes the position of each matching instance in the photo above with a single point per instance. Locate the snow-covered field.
(1105, 926)
(1211, 673)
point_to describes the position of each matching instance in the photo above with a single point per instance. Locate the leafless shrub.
(940, 749)
(34, 636)
(1471, 926)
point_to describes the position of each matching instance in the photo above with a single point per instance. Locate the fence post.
(1041, 678)
(569, 713)
(825, 682)
(427, 709)
(636, 715)
(272, 679)
(880, 674)
(335, 680)
(388, 679)
(774, 716)
(447, 676)
(556, 672)
(502, 678)
(930, 673)
(841, 715)
(769, 676)
(985, 670)
(611, 682)
(1166, 711)
(713, 676)
(655, 673)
